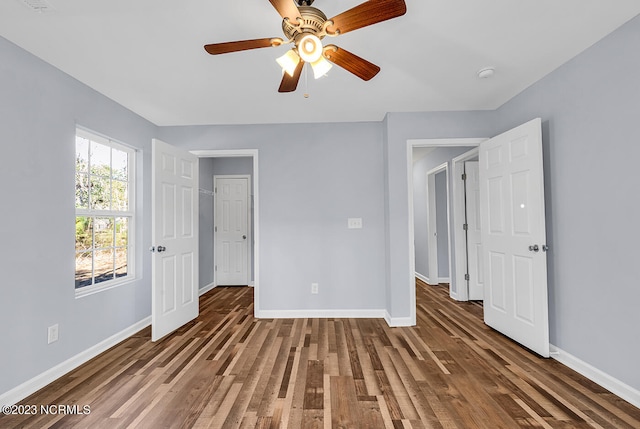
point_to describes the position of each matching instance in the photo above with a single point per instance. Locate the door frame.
(458, 208)
(249, 229)
(432, 227)
(411, 144)
(248, 153)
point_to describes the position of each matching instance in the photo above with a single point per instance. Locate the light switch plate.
(354, 223)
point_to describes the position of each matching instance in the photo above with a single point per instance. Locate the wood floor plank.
(227, 369)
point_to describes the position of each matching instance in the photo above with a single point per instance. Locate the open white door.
(513, 236)
(474, 236)
(232, 233)
(175, 239)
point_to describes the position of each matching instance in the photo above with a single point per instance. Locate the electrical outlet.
(52, 334)
(314, 288)
(354, 223)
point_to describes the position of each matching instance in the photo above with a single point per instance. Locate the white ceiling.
(148, 55)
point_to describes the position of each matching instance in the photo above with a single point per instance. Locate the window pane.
(103, 232)
(103, 265)
(122, 232)
(100, 159)
(122, 267)
(82, 154)
(82, 191)
(83, 269)
(119, 164)
(84, 233)
(100, 193)
(120, 195)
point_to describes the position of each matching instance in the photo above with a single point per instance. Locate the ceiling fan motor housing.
(312, 22)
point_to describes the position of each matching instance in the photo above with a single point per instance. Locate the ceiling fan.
(305, 26)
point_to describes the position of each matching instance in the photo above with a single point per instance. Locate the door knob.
(244, 237)
(161, 248)
(534, 248)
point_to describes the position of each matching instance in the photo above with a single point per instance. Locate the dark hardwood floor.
(229, 370)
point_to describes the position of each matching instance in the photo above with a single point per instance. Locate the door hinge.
(215, 268)
(215, 229)
(465, 226)
(464, 176)
(466, 276)
(215, 190)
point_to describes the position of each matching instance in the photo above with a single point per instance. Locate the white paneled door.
(513, 236)
(232, 232)
(175, 238)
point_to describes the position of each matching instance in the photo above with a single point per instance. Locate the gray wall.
(205, 241)
(39, 109)
(208, 168)
(312, 178)
(590, 109)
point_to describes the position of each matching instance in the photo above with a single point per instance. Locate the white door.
(231, 232)
(513, 236)
(474, 237)
(174, 196)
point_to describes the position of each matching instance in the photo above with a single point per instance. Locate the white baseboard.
(206, 289)
(421, 277)
(320, 314)
(17, 394)
(429, 281)
(610, 383)
(444, 280)
(397, 322)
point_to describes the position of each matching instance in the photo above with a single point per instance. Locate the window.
(104, 216)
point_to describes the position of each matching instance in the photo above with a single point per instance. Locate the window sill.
(90, 290)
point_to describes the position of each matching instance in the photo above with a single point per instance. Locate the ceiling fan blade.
(367, 13)
(351, 62)
(242, 45)
(287, 9)
(290, 83)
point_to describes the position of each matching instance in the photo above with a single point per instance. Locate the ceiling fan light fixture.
(289, 61)
(321, 67)
(310, 48)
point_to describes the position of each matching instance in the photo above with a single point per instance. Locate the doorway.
(428, 158)
(513, 235)
(229, 163)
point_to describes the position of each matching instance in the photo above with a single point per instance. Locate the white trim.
(445, 142)
(412, 246)
(398, 322)
(321, 314)
(421, 277)
(610, 383)
(29, 387)
(206, 289)
(444, 280)
(225, 153)
(413, 143)
(253, 153)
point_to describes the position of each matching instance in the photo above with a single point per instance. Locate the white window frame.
(130, 214)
